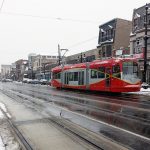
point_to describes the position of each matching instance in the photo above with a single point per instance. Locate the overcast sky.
(38, 26)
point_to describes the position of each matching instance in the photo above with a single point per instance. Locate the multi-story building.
(114, 38)
(86, 56)
(5, 71)
(41, 60)
(137, 43)
(13, 71)
(31, 60)
(21, 66)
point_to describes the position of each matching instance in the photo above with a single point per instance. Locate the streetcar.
(110, 75)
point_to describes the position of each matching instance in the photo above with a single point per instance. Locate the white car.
(145, 85)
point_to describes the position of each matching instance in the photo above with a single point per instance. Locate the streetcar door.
(81, 78)
(107, 76)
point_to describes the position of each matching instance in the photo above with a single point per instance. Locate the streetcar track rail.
(144, 114)
(25, 145)
(117, 98)
(99, 142)
(86, 100)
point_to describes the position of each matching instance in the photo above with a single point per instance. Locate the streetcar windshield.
(130, 71)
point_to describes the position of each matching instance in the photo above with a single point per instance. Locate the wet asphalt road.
(110, 113)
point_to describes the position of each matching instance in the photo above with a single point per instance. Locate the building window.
(135, 22)
(103, 51)
(108, 50)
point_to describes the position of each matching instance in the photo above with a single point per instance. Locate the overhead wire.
(48, 17)
(79, 43)
(2, 4)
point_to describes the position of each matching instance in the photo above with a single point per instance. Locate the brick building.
(114, 35)
(137, 42)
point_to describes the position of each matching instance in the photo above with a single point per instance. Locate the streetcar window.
(75, 76)
(65, 81)
(116, 71)
(93, 73)
(101, 72)
(56, 76)
(81, 78)
(70, 76)
(66, 78)
(135, 67)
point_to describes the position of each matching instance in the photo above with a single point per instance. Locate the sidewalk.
(7, 140)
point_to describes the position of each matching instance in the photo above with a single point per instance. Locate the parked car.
(43, 82)
(3, 80)
(29, 80)
(7, 80)
(35, 81)
(145, 85)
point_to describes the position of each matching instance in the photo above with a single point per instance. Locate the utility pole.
(59, 55)
(81, 58)
(44, 69)
(145, 46)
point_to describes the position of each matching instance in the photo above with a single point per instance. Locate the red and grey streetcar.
(111, 75)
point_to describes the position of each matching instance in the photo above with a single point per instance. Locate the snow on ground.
(143, 92)
(1, 115)
(1, 144)
(2, 106)
(7, 140)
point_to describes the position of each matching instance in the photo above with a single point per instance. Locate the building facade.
(86, 56)
(137, 42)
(114, 35)
(5, 71)
(40, 62)
(21, 66)
(31, 58)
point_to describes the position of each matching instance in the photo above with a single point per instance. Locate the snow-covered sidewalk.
(143, 92)
(7, 140)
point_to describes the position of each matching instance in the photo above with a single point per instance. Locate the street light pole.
(145, 46)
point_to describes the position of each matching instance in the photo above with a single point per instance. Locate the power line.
(48, 17)
(76, 20)
(45, 17)
(2, 4)
(79, 43)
